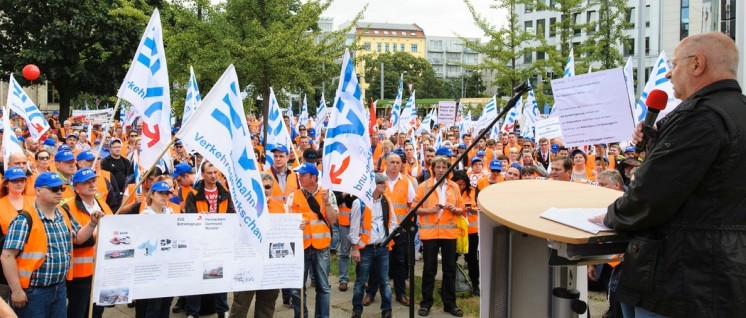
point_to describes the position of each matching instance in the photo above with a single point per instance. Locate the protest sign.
(446, 113)
(548, 128)
(149, 256)
(593, 108)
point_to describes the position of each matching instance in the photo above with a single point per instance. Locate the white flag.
(303, 119)
(20, 103)
(193, 98)
(408, 115)
(489, 113)
(629, 80)
(146, 87)
(277, 132)
(531, 109)
(11, 144)
(347, 159)
(509, 124)
(221, 135)
(396, 108)
(570, 66)
(659, 81)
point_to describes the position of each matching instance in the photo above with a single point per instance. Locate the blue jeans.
(344, 253)
(194, 303)
(377, 260)
(318, 262)
(335, 236)
(398, 268)
(44, 302)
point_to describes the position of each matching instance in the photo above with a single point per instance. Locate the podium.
(518, 268)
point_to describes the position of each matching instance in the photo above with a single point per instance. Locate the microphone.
(656, 101)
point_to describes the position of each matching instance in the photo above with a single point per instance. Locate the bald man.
(685, 212)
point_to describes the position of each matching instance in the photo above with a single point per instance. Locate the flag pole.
(148, 172)
(106, 124)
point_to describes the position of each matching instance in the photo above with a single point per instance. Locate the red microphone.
(656, 101)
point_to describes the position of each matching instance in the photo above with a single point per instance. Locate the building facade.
(448, 54)
(390, 37)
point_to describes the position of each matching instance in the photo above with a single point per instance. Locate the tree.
(419, 72)
(80, 47)
(504, 47)
(606, 34)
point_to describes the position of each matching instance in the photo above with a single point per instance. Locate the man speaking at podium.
(685, 212)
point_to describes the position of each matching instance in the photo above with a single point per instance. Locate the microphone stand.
(408, 225)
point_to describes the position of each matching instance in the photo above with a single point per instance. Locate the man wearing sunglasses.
(37, 259)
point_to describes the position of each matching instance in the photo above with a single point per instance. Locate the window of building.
(401, 47)
(413, 47)
(540, 55)
(528, 26)
(630, 17)
(629, 49)
(404, 34)
(529, 7)
(393, 33)
(379, 46)
(576, 21)
(592, 19)
(53, 96)
(540, 28)
(367, 32)
(396, 47)
(375, 32)
(412, 33)
(436, 45)
(387, 47)
(684, 32)
(385, 32)
(647, 45)
(528, 57)
(552, 27)
(647, 16)
(366, 46)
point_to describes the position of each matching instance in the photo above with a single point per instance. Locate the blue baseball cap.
(517, 166)
(14, 173)
(481, 154)
(399, 151)
(279, 147)
(180, 169)
(444, 151)
(48, 179)
(161, 186)
(309, 168)
(72, 136)
(462, 146)
(630, 149)
(475, 159)
(49, 142)
(83, 155)
(21, 139)
(312, 132)
(496, 165)
(83, 175)
(555, 148)
(64, 155)
(64, 147)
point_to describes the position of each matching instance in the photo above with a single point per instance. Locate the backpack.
(463, 283)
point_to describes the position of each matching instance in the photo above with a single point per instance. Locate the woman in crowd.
(469, 204)
(12, 201)
(580, 172)
(42, 162)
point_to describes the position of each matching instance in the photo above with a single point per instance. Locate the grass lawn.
(470, 305)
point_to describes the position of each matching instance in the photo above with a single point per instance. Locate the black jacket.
(198, 194)
(686, 211)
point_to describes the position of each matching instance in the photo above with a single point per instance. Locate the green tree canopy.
(420, 74)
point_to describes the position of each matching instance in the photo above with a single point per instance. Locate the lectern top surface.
(519, 204)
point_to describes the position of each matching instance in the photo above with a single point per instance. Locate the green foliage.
(419, 72)
(473, 86)
(608, 36)
(79, 47)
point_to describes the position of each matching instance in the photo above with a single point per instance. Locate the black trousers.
(447, 248)
(472, 260)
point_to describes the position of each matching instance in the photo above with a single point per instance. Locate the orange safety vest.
(366, 223)
(398, 197)
(203, 206)
(291, 185)
(377, 152)
(8, 212)
(83, 255)
(275, 206)
(433, 226)
(470, 198)
(35, 249)
(344, 215)
(485, 181)
(316, 233)
(408, 168)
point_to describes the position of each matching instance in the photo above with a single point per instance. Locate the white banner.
(221, 135)
(93, 116)
(446, 113)
(146, 87)
(347, 159)
(593, 108)
(11, 144)
(548, 128)
(22, 105)
(163, 255)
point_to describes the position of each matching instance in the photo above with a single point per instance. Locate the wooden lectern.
(518, 268)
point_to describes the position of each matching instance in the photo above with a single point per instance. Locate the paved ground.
(341, 305)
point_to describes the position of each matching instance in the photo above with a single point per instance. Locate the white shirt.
(149, 210)
(93, 208)
(410, 193)
(377, 231)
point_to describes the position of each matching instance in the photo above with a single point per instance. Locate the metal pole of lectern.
(408, 225)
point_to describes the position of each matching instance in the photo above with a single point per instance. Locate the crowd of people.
(55, 192)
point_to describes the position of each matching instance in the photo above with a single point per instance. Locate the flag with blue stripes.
(570, 65)
(489, 112)
(396, 109)
(659, 81)
(193, 98)
(22, 105)
(277, 132)
(513, 117)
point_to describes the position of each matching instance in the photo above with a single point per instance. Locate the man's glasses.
(671, 65)
(267, 187)
(55, 189)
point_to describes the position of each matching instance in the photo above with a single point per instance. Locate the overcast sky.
(436, 17)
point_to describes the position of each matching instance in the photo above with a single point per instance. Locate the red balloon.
(31, 72)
